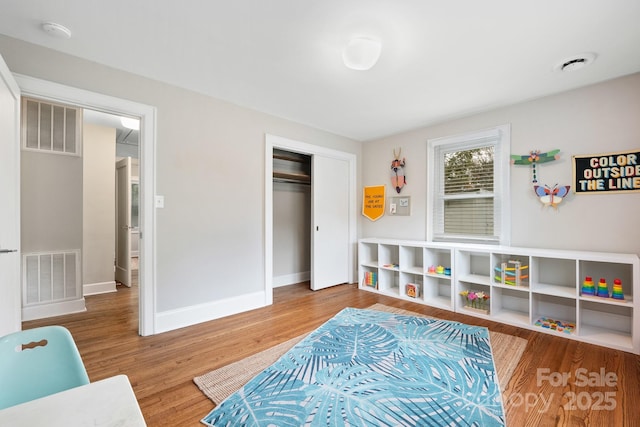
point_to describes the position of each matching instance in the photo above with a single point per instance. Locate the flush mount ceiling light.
(56, 30)
(575, 62)
(361, 53)
(130, 123)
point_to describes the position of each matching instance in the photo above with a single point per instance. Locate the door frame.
(147, 114)
(12, 306)
(278, 142)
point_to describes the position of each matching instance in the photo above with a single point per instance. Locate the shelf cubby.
(511, 305)
(557, 308)
(437, 292)
(474, 267)
(553, 276)
(412, 259)
(388, 282)
(368, 254)
(609, 271)
(388, 255)
(608, 324)
(436, 257)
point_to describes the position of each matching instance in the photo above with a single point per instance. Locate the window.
(468, 188)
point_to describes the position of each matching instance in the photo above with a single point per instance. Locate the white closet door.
(10, 307)
(330, 222)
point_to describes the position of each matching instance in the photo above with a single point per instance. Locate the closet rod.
(291, 181)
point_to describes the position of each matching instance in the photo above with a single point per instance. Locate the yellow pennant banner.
(373, 202)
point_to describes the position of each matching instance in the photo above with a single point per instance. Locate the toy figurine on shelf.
(588, 288)
(556, 325)
(475, 301)
(371, 279)
(603, 289)
(617, 292)
(512, 276)
(413, 290)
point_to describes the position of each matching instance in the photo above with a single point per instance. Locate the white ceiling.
(440, 59)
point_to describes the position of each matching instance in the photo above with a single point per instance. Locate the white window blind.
(468, 177)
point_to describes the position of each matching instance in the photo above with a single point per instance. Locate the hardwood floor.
(161, 368)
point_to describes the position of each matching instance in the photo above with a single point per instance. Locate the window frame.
(500, 137)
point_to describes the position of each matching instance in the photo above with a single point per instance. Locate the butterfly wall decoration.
(548, 196)
(551, 196)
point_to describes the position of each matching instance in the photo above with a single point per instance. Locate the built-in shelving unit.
(291, 167)
(547, 295)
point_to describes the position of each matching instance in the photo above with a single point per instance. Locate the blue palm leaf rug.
(372, 368)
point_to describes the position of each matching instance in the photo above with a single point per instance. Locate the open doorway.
(119, 185)
(67, 95)
(71, 189)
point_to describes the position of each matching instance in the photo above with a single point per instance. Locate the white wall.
(50, 202)
(601, 118)
(210, 168)
(99, 151)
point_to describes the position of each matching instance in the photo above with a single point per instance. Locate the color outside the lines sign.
(373, 202)
(607, 173)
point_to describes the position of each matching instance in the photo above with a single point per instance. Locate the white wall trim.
(43, 89)
(291, 279)
(34, 312)
(98, 288)
(188, 316)
(273, 141)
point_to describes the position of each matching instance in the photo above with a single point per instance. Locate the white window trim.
(501, 183)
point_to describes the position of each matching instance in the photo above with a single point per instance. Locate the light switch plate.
(160, 202)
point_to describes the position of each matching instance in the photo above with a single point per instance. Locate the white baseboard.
(290, 279)
(98, 288)
(183, 317)
(42, 311)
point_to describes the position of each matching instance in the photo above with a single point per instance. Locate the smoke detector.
(575, 62)
(56, 30)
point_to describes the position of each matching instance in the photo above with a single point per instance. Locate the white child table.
(106, 403)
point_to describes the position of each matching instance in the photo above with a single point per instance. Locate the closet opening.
(291, 217)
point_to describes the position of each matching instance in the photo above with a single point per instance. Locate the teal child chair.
(38, 362)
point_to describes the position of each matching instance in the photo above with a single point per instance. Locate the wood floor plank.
(161, 368)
